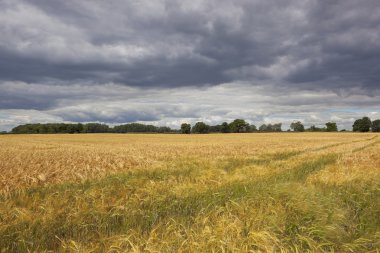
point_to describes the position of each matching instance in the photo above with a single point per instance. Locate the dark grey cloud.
(343, 41)
(176, 43)
(166, 61)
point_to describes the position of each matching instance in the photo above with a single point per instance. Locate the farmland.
(279, 192)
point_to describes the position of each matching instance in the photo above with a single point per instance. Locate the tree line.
(237, 126)
(241, 126)
(52, 128)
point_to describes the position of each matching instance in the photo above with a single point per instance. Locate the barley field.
(280, 192)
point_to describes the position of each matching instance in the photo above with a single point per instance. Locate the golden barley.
(281, 192)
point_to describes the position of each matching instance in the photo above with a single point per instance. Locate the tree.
(376, 125)
(215, 129)
(140, 128)
(224, 128)
(185, 128)
(331, 127)
(313, 128)
(200, 128)
(239, 126)
(277, 127)
(362, 125)
(270, 127)
(95, 128)
(297, 126)
(71, 128)
(263, 128)
(163, 129)
(252, 128)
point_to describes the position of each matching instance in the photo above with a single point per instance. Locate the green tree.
(277, 127)
(252, 128)
(200, 128)
(239, 126)
(263, 128)
(376, 125)
(313, 128)
(185, 128)
(95, 128)
(215, 129)
(224, 128)
(73, 128)
(270, 127)
(362, 125)
(140, 128)
(331, 127)
(163, 129)
(297, 126)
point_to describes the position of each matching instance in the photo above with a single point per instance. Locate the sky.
(168, 62)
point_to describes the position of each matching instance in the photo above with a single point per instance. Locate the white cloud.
(117, 104)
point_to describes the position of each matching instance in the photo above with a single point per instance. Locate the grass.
(229, 196)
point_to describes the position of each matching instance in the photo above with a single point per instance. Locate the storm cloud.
(165, 62)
